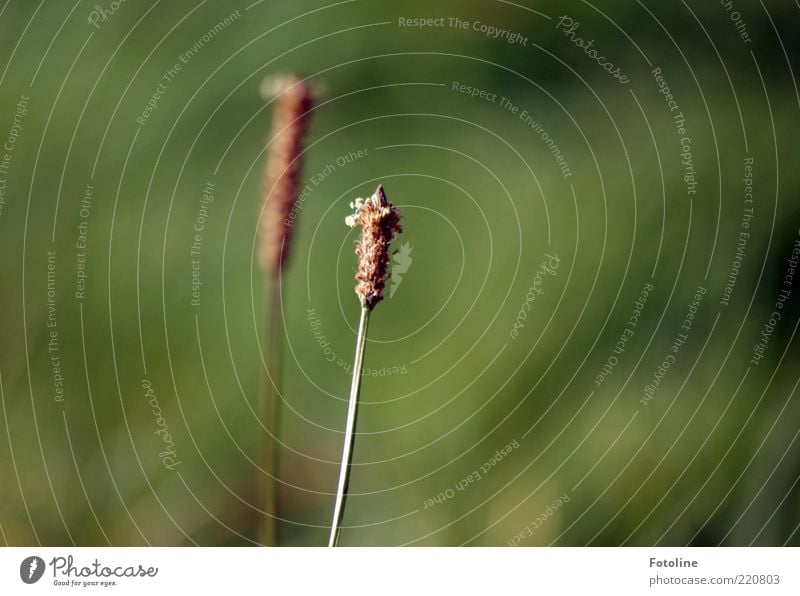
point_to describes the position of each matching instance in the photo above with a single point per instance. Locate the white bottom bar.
(401, 571)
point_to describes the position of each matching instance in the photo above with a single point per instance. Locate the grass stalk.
(349, 432)
(269, 460)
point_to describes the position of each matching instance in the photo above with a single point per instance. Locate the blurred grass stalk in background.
(293, 103)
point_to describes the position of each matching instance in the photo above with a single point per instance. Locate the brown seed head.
(379, 221)
(282, 173)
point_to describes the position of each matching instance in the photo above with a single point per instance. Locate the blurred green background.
(710, 459)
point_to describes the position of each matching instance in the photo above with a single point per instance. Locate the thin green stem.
(267, 485)
(349, 432)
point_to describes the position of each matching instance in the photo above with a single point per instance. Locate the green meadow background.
(469, 434)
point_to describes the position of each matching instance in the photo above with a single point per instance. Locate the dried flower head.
(379, 221)
(284, 161)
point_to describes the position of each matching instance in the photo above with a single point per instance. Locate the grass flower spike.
(379, 221)
(284, 163)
